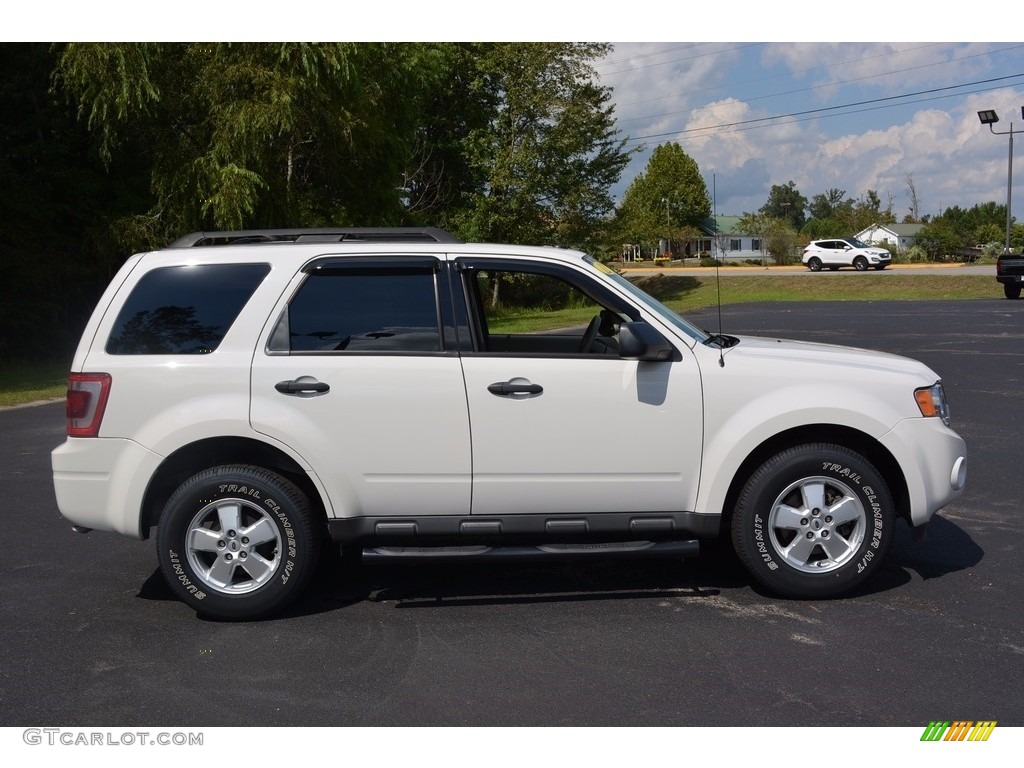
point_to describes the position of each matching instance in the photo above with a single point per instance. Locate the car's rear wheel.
(237, 542)
(1011, 290)
(860, 264)
(814, 264)
(813, 521)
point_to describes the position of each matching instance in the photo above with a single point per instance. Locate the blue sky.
(853, 116)
(778, 105)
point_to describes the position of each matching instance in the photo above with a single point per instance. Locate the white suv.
(845, 252)
(253, 395)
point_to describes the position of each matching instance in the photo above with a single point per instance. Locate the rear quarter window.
(183, 310)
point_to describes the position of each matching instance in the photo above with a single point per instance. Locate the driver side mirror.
(640, 341)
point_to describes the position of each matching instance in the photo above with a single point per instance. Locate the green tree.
(866, 212)
(550, 152)
(667, 201)
(785, 202)
(439, 184)
(777, 236)
(829, 204)
(56, 199)
(819, 229)
(940, 239)
(981, 223)
(255, 134)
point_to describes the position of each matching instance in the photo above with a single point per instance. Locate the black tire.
(860, 264)
(209, 561)
(813, 521)
(814, 264)
(1011, 290)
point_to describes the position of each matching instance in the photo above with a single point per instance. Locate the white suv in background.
(252, 395)
(844, 252)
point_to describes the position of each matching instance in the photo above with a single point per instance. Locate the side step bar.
(624, 549)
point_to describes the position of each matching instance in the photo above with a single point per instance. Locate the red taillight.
(86, 400)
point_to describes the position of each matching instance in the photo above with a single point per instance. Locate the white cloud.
(937, 140)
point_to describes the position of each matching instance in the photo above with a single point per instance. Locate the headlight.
(932, 402)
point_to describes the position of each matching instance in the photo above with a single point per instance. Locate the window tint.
(183, 310)
(528, 313)
(363, 311)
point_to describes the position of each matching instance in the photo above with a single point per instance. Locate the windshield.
(653, 304)
(857, 243)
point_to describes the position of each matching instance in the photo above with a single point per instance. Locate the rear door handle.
(506, 388)
(301, 384)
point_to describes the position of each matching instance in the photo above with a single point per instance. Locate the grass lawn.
(25, 382)
(684, 293)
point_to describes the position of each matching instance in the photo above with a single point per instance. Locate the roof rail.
(318, 235)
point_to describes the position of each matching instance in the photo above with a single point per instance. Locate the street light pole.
(989, 117)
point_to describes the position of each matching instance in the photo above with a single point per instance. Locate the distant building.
(901, 236)
(726, 241)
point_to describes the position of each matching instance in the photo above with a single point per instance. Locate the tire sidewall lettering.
(179, 573)
(284, 506)
(756, 542)
(762, 545)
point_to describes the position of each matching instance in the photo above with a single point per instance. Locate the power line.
(683, 58)
(823, 85)
(857, 60)
(821, 110)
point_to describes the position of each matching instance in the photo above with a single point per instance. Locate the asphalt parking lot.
(92, 636)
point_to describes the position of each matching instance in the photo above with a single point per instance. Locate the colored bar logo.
(958, 730)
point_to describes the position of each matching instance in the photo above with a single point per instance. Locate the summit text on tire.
(237, 542)
(813, 521)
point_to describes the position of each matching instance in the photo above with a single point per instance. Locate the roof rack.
(318, 235)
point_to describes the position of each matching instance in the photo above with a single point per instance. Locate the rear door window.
(357, 306)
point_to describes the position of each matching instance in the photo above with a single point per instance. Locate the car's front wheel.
(813, 521)
(860, 264)
(814, 264)
(237, 542)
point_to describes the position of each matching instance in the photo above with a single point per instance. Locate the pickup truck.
(1010, 272)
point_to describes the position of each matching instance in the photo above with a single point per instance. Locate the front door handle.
(301, 384)
(506, 388)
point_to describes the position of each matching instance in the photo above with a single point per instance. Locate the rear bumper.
(100, 483)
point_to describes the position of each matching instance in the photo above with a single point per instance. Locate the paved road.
(92, 636)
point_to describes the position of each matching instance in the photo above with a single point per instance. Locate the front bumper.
(934, 462)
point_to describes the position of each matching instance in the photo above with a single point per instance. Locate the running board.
(624, 549)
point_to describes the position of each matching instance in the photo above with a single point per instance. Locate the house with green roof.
(727, 241)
